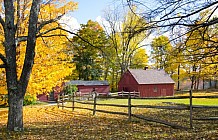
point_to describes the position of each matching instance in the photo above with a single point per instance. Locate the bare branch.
(41, 25)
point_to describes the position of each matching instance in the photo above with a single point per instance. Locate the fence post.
(58, 100)
(62, 101)
(129, 107)
(191, 108)
(94, 107)
(73, 101)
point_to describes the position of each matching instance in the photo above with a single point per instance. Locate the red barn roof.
(151, 76)
(88, 86)
(88, 83)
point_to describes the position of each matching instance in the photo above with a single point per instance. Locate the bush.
(70, 89)
(29, 100)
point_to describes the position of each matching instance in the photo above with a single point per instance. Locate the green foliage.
(29, 100)
(87, 49)
(70, 89)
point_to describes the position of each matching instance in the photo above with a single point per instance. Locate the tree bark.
(15, 113)
(17, 87)
(178, 82)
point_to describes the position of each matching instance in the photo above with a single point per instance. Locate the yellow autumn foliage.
(51, 63)
(50, 66)
(3, 89)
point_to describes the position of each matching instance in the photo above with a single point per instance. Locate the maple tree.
(25, 25)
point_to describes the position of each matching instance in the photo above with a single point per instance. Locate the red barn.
(88, 86)
(150, 83)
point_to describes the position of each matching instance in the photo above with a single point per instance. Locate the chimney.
(146, 67)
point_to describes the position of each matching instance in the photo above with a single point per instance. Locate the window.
(155, 89)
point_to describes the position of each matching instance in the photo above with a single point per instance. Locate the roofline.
(173, 82)
(156, 83)
(133, 77)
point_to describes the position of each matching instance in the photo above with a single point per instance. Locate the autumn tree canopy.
(25, 24)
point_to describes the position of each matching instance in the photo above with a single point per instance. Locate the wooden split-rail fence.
(77, 98)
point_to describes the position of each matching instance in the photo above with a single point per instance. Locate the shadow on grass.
(53, 123)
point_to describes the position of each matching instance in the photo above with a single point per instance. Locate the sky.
(87, 9)
(90, 9)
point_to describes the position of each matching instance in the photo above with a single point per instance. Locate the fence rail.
(71, 98)
(126, 94)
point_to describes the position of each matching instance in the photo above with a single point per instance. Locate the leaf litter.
(50, 122)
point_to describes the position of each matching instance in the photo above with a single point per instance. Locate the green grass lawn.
(197, 101)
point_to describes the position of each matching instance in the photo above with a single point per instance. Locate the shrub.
(29, 100)
(70, 89)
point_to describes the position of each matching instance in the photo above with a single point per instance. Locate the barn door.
(163, 92)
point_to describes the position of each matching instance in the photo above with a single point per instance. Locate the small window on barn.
(155, 89)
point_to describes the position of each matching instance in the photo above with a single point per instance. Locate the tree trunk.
(192, 82)
(215, 84)
(178, 83)
(113, 80)
(17, 87)
(210, 83)
(15, 113)
(198, 81)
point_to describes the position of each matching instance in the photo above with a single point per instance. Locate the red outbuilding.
(85, 87)
(149, 82)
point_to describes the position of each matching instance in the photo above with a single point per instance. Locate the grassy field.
(50, 122)
(196, 101)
